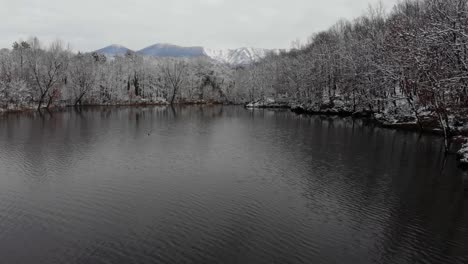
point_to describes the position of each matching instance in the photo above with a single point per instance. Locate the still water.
(224, 185)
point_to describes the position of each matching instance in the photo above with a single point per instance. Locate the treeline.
(408, 65)
(41, 77)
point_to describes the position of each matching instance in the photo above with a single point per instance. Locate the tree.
(48, 68)
(82, 76)
(174, 73)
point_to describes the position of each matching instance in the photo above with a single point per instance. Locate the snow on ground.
(463, 153)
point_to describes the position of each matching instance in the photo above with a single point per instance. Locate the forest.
(407, 66)
(33, 76)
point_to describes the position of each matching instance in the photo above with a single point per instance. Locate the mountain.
(238, 56)
(114, 50)
(169, 50)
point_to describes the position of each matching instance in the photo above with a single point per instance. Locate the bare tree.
(174, 73)
(82, 76)
(48, 68)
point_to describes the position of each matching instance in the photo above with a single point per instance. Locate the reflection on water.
(224, 185)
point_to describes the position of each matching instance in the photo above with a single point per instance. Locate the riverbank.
(63, 105)
(426, 122)
(403, 121)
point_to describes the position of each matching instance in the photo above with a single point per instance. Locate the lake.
(222, 184)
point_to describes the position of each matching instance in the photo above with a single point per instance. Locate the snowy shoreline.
(32, 108)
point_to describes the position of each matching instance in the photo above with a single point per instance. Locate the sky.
(88, 25)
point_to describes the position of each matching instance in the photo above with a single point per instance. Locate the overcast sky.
(92, 24)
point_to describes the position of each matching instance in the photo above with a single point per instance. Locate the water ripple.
(223, 185)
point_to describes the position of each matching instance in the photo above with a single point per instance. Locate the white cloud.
(212, 2)
(92, 24)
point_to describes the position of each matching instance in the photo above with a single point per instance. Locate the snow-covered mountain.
(114, 50)
(239, 56)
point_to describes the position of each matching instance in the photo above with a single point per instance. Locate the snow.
(267, 103)
(463, 153)
(238, 56)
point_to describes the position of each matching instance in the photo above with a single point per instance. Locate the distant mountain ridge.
(169, 50)
(240, 56)
(114, 50)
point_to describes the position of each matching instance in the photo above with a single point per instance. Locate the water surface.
(224, 185)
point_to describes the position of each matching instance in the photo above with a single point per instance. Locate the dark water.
(224, 185)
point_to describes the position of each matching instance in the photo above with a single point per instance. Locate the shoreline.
(368, 116)
(457, 137)
(130, 104)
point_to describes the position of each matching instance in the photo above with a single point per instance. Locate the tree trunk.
(354, 100)
(174, 93)
(446, 136)
(41, 100)
(78, 100)
(136, 84)
(39, 106)
(413, 107)
(49, 102)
